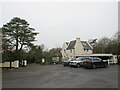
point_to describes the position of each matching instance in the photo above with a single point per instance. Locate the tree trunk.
(10, 64)
(21, 47)
(10, 59)
(16, 44)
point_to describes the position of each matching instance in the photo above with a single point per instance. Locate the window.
(64, 51)
(70, 50)
(87, 50)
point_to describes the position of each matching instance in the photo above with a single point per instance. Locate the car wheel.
(85, 67)
(64, 65)
(78, 65)
(105, 65)
(93, 66)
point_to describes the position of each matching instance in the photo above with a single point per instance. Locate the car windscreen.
(79, 59)
(71, 59)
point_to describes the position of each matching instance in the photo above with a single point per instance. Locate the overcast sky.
(58, 22)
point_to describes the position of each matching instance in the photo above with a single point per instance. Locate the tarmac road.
(58, 76)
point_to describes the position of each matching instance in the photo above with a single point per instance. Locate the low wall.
(15, 64)
(6, 64)
(0, 64)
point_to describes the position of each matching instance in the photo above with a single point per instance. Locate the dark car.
(66, 62)
(118, 59)
(94, 63)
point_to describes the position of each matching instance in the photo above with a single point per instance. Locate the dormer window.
(86, 50)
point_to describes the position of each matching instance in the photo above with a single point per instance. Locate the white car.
(76, 63)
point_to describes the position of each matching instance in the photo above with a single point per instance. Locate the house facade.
(76, 48)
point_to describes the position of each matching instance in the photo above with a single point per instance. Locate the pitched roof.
(72, 44)
(86, 45)
(67, 43)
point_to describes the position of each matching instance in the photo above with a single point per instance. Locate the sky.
(63, 21)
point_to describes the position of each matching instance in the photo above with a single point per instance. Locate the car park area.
(58, 76)
(87, 62)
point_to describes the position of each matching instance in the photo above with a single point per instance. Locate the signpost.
(43, 61)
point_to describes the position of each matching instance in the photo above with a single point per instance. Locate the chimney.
(77, 39)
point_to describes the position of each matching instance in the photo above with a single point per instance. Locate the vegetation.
(35, 54)
(16, 35)
(18, 40)
(108, 45)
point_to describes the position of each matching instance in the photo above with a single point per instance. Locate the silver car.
(76, 63)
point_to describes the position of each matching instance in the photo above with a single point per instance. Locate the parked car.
(77, 63)
(118, 59)
(66, 62)
(94, 63)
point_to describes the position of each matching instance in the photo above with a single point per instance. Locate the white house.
(76, 48)
(64, 50)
